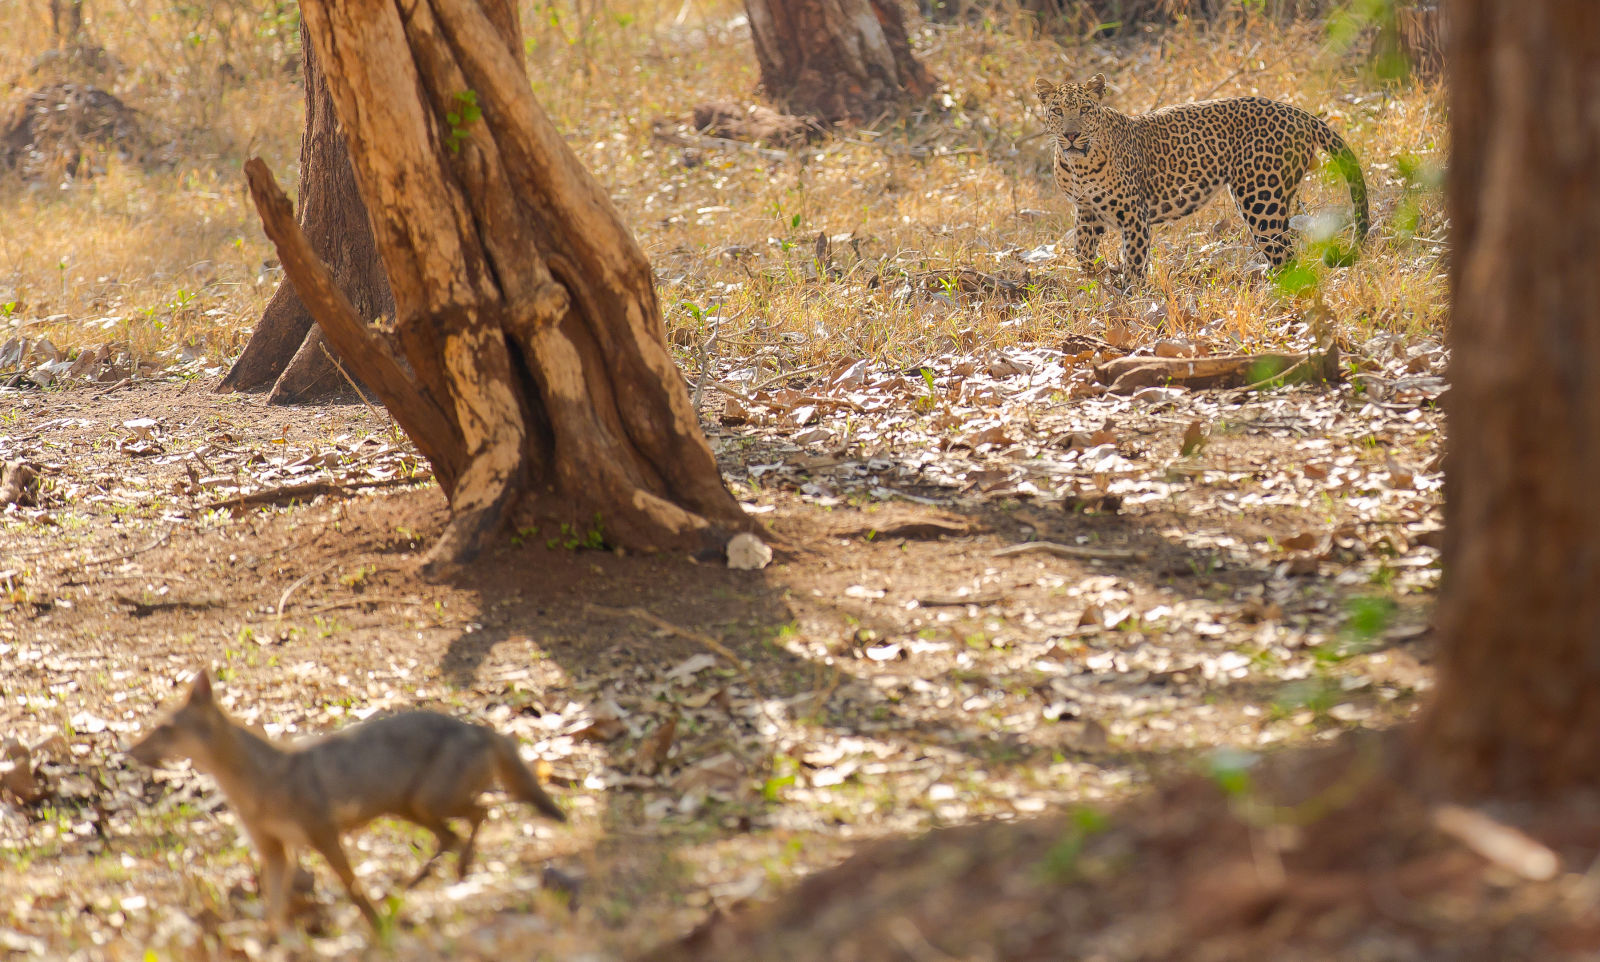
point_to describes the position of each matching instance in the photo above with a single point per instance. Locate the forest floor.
(895, 366)
(903, 672)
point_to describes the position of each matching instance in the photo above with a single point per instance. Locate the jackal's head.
(1073, 112)
(193, 730)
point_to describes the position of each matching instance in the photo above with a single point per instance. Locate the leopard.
(1129, 172)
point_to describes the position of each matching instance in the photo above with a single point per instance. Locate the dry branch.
(290, 493)
(725, 119)
(679, 138)
(662, 624)
(1128, 374)
(364, 350)
(1077, 552)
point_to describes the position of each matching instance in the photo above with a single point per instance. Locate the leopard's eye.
(1084, 111)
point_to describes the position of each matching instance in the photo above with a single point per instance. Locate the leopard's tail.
(1345, 159)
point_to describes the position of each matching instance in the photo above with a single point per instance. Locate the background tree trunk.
(286, 351)
(836, 59)
(525, 308)
(66, 21)
(1517, 711)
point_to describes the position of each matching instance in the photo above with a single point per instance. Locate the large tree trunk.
(287, 352)
(526, 310)
(1517, 710)
(836, 59)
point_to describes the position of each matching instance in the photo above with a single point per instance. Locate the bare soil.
(893, 672)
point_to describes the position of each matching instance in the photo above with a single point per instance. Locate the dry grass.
(154, 254)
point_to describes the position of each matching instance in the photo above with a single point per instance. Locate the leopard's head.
(1073, 112)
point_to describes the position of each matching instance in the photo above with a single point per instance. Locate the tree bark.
(1519, 615)
(836, 60)
(525, 308)
(286, 352)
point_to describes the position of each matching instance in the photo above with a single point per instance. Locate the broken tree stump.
(540, 374)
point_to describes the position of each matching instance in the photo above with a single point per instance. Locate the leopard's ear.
(1096, 86)
(1043, 87)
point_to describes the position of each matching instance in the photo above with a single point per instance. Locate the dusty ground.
(894, 361)
(1270, 588)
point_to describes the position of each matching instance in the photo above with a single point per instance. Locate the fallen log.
(1128, 374)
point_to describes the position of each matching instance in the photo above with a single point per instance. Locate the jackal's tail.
(516, 778)
(1345, 159)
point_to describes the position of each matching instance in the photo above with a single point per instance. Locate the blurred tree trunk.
(66, 21)
(536, 368)
(1517, 711)
(1409, 41)
(836, 59)
(286, 351)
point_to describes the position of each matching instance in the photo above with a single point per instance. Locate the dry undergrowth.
(153, 255)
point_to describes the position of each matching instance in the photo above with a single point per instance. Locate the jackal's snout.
(182, 731)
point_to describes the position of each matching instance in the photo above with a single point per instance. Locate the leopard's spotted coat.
(1130, 172)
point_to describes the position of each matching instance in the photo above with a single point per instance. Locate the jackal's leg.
(275, 878)
(475, 818)
(449, 841)
(325, 839)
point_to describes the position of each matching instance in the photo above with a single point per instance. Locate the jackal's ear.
(1096, 86)
(200, 688)
(1043, 87)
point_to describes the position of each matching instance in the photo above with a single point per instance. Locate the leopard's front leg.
(1134, 223)
(1091, 227)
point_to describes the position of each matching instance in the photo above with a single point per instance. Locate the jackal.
(420, 766)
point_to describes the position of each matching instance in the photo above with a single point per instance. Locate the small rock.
(746, 552)
(1158, 395)
(142, 427)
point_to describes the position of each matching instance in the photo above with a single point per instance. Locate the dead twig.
(704, 351)
(312, 489)
(661, 623)
(322, 346)
(960, 601)
(820, 700)
(283, 599)
(767, 382)
(1125, 375)
(1281, 377)
(144, 609)
(680, 139)
(1504, 845)
(362, 600)
(743, 391)
(1245, 71)
(1074, 551)
(125, 382)
(97, 562)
